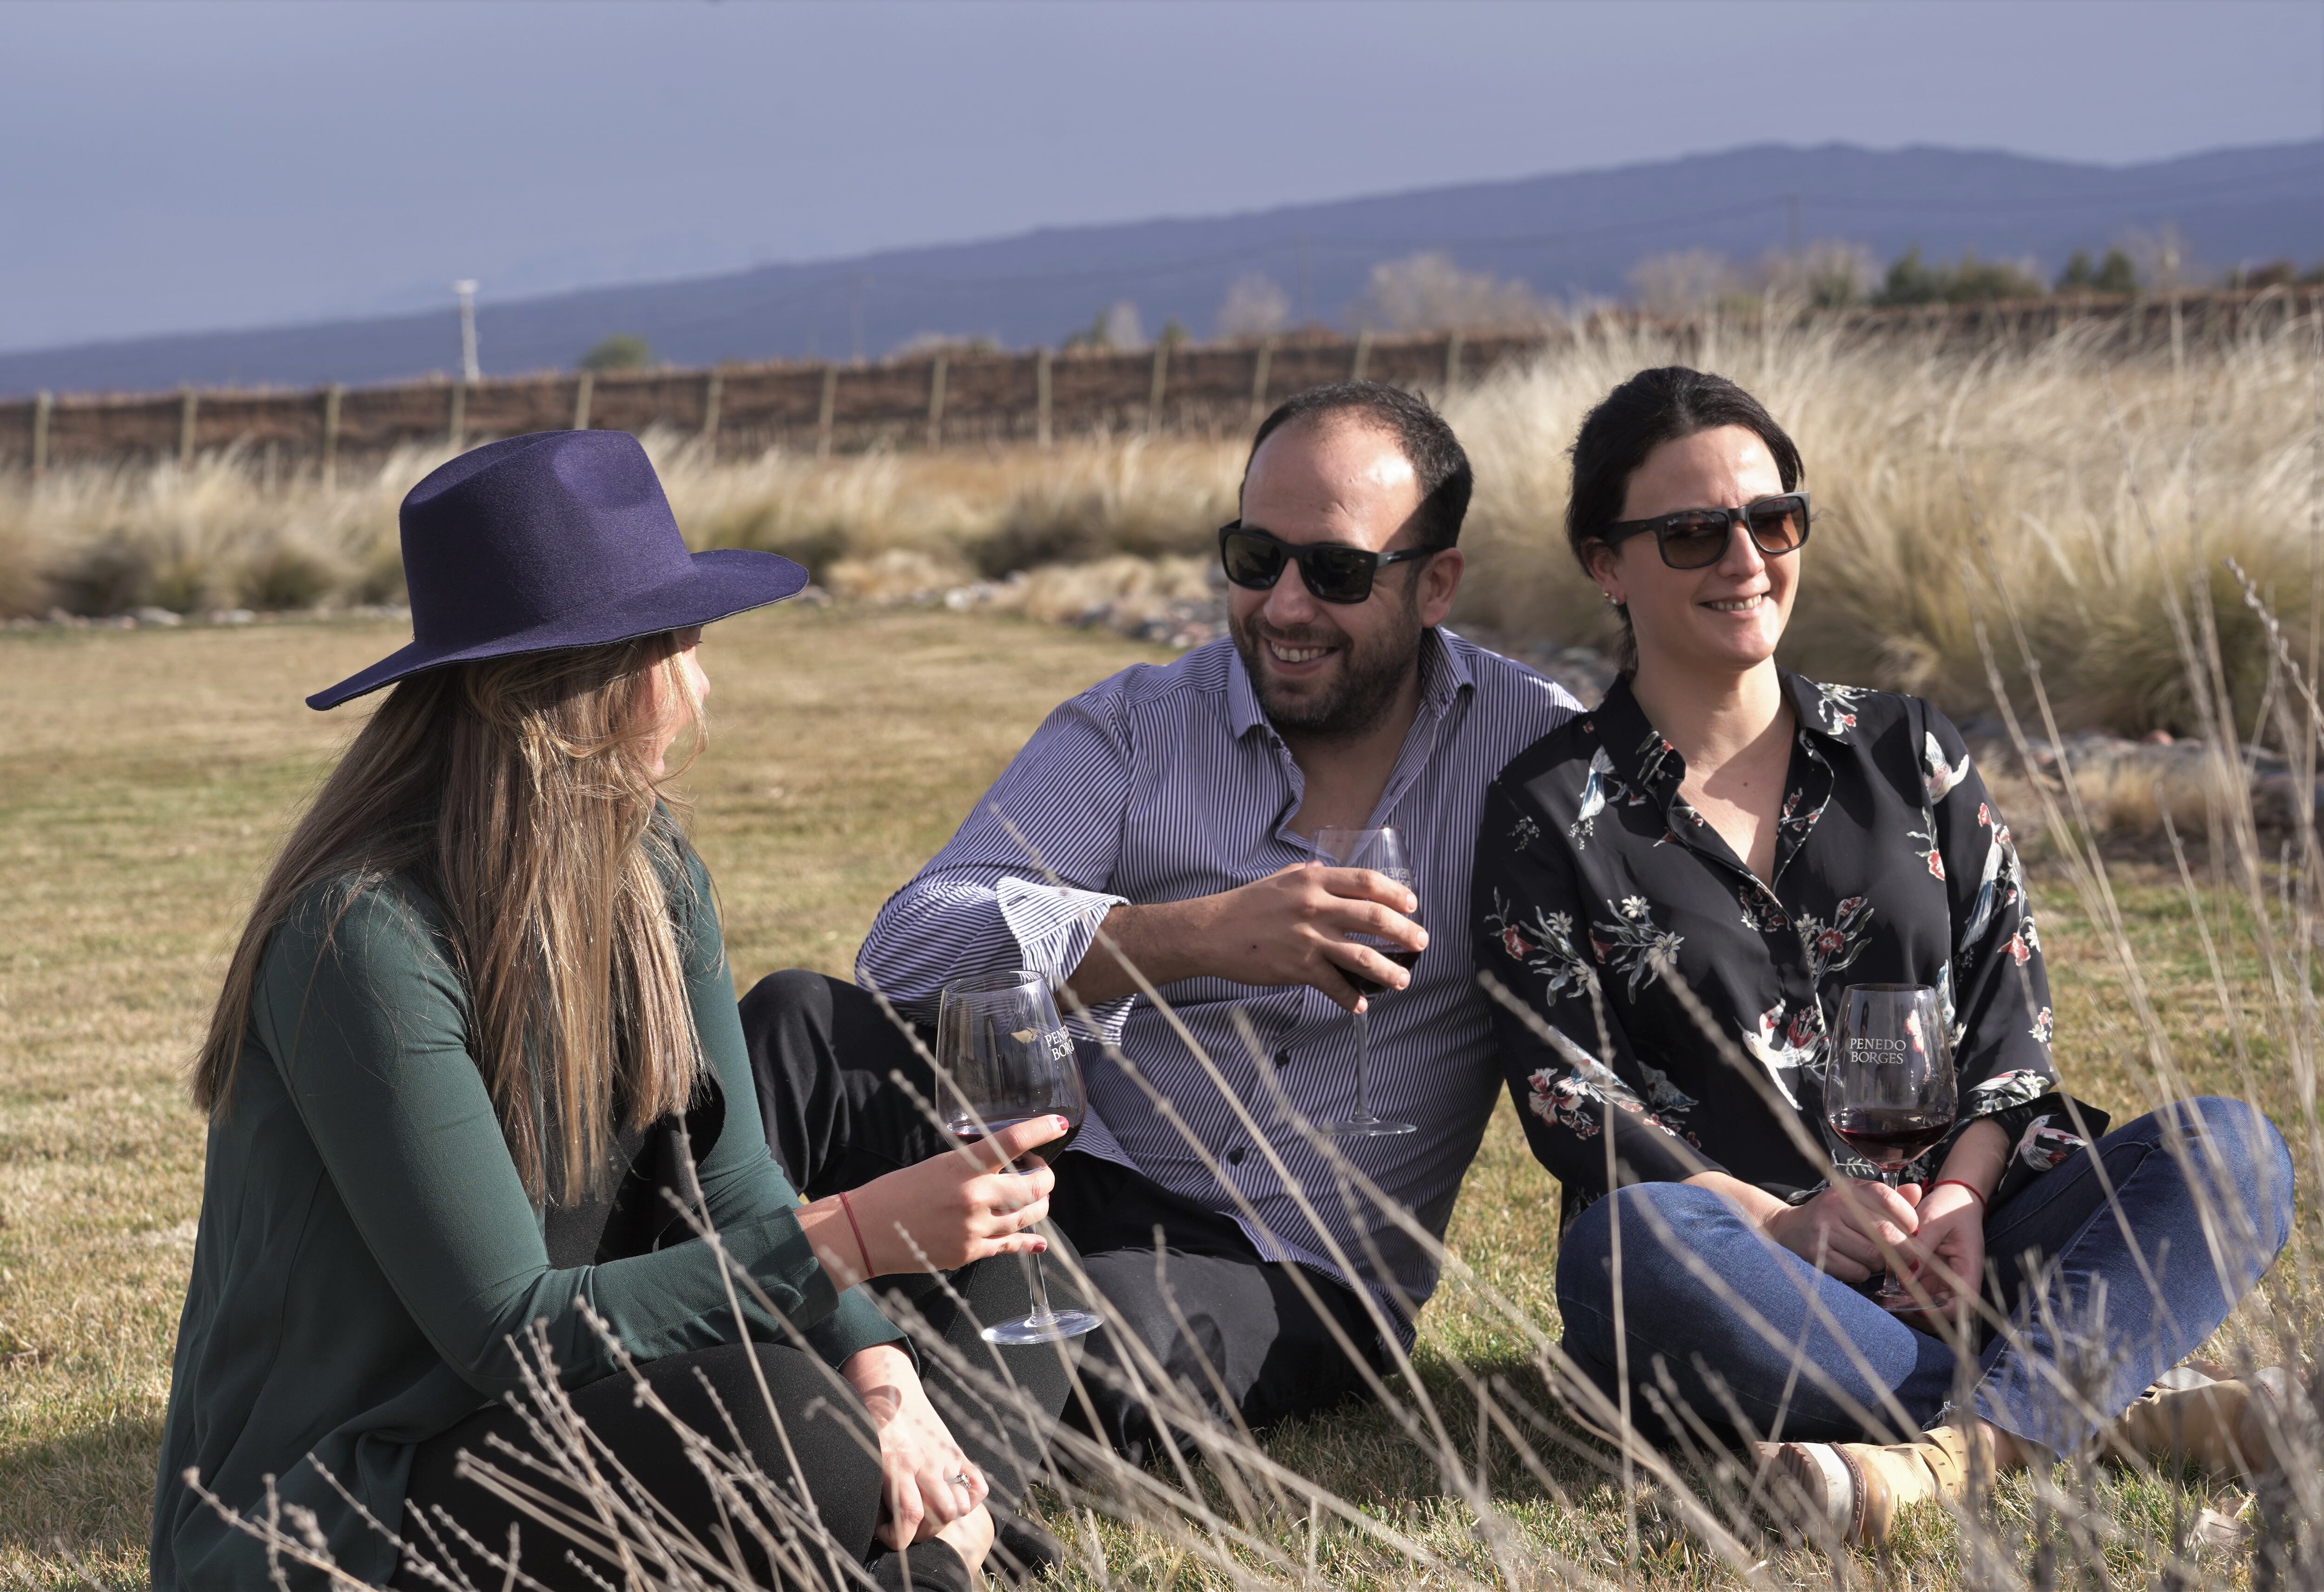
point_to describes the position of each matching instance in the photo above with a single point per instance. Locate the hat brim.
(720, 584)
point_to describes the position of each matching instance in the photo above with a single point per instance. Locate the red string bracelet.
(1957, 1183)
(860, 1247)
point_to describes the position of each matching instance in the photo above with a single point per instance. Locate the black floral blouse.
(1597, 884)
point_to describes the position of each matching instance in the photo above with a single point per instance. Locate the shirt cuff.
(854, 1324)
(1054, 927)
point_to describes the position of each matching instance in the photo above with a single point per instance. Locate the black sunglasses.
(1697, 538)
(1254, 560)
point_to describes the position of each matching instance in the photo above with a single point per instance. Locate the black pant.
(822, 1052)
(841, 1476)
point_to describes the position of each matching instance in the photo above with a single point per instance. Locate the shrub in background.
(624, 351)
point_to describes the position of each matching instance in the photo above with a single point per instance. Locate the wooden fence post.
(331, 396)
(936, 401)
(713, 389)
(1363, 355)
(455, 424)
(44, 403)
(1258, 365)
(828, 411)
(585, 390)
(1154, 389)
(189, 407)
(1452, 364)
(1041, 398)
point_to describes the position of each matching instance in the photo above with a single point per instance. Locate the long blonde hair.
(520, 794)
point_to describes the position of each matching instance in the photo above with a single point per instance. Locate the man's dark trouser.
(823, 1052)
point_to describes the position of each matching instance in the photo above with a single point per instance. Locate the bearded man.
(1161, 824)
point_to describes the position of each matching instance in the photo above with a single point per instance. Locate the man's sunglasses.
(1697, 538)
(1254, 560)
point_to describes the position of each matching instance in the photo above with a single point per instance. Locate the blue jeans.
(2061, 1269)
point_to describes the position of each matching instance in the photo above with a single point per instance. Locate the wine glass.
(1381, 850)
(1890, 1094)
(1007, 1057)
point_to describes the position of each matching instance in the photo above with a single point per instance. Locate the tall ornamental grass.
(1924, 464)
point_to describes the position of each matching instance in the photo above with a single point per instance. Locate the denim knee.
(2255, 1158)
(1650, 1262)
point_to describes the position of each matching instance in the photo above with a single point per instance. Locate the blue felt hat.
(559, 538)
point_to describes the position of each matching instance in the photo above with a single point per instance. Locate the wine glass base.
(1366, 1127)
(1050, 1328)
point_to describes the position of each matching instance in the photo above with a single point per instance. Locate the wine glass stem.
(1888, 1282)
(1363, 1066)
(1042, 1313)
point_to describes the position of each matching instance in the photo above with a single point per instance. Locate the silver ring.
(963, 1481)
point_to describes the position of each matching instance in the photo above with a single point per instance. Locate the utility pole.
(855, 286)
(466, 289)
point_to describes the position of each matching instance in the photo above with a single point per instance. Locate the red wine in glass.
(1890, 1136)
(1397, 954)
(1005, 1058)
(1381, 850)
(1889, 1095)
(968, 1131)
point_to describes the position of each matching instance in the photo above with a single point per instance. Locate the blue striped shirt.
(1165, 783)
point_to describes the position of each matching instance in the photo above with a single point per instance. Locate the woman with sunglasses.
(476, 1084)
(1677, 888)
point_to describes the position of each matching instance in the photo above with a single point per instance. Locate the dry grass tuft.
(1898, 444)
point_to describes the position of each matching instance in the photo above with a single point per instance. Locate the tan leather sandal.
(1856, 1490)
(2195, 1411)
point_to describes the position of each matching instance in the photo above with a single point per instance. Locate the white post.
(1041, 398)
(466, 289)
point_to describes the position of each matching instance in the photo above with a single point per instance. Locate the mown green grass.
(146, 778)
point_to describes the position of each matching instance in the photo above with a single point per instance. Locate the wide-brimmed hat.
(558, 538)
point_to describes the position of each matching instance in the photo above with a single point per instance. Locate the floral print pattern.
(1600, 889)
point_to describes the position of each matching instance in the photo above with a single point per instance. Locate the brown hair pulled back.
(517, 793)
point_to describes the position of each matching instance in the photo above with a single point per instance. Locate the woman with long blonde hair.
(477, 1089)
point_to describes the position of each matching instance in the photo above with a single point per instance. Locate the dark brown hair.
(1651, 407)
(1438, 461)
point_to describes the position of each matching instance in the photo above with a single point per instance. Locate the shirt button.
(1234, 1157)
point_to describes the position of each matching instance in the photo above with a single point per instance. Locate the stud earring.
(1611, 599)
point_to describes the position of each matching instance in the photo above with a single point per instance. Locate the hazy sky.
(195, 164)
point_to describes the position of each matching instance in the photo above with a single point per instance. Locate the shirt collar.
(1641, 758)
(1637, 751)
(1444, 675)
(1828, 711)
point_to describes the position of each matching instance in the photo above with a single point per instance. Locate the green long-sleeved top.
(365, 1247)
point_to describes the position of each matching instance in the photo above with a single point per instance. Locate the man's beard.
(1368, 680)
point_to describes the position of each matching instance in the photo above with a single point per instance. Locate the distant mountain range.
(1574, 234)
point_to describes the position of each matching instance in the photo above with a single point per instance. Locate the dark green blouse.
(365, 1248)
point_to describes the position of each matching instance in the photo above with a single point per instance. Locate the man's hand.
(1842, 1228)
(926, 1483)
(958, 1207)
(1291, 927)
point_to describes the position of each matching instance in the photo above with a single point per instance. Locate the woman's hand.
(1842, 1228)
(1949, 1251)
(926, 1484)
(1839, 1231)
(957, 1207)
